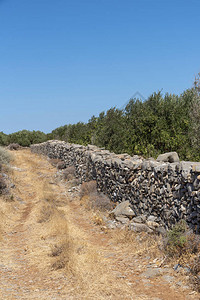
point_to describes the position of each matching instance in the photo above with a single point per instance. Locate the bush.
(5, 156)
(88, 188)
(181, 241)
(101, 202)
(2, 183)
(176, 239)
(93, 199)
(69, 173)
(60, 165)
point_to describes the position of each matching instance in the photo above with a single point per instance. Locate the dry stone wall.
(168, 191)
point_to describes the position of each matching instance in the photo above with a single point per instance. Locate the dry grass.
(71, 251)
(139, 243)
(5, 156)
(94, 200)
(88, 188)
(1, 222)
(57, 242)
(7, 213)
(69, 173)
(93, 276)
(63, 243)
(6, 208)
(54, 161)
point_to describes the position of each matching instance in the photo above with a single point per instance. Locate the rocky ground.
(102, 263)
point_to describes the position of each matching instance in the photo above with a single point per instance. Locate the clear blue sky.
(63, 61)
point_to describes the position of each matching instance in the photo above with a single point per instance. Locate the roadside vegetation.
(5, 156)
(5, 197)
(159, 124)
(24, 138)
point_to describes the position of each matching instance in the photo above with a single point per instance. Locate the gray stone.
(139, 219)
(123, 209)
(122, 219)
(168, 278)
(137, 227)
(151, 273)
(161, 230)
(151, 218)
(152, 225)
(170, 157)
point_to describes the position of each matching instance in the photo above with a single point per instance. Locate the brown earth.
(52, 249)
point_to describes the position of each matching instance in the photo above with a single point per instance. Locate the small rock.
(150, 273)
(152, 225)
(122, 219)
(139, 219)
(168, 278)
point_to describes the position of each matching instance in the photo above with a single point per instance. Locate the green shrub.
(5, 156)
(176, 242)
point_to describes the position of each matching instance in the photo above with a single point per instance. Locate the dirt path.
(97, 266)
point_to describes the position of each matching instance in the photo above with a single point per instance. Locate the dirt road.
(51, 248)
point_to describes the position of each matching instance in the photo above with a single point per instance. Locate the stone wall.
(169, 191)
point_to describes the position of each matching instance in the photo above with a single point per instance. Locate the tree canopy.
(159, 124)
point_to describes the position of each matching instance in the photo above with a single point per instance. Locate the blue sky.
(63, 61)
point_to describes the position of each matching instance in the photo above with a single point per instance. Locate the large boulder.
(14, 146)
(170, 157)
(137, 227)
(123, 209)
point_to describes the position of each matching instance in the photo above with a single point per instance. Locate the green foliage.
(3, 139)
(24, 138)
(159, 124)
(177, 239)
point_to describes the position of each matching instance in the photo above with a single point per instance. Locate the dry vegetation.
(61, 237)
(92, 199)
(5, 159)
(179, 246)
